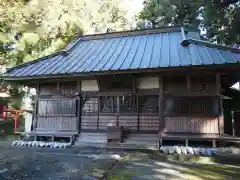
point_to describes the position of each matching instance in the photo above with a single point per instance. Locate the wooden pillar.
(161, 106)
(188, 80)
(58, 86)
(35, 120)
(219, 94)
(117, 110)
(137, 110)
(78, 93)
(233, 127)
(134, 90)
(98, 112)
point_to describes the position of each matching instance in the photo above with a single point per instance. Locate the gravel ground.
(53, 164)
(18, 163)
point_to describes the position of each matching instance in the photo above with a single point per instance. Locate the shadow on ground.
(75, 164)
(146, 165)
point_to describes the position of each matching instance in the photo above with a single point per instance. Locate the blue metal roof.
(126, 51)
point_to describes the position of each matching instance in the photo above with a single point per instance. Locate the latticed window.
(193, 106)
(121, 104)
(127, 104)
(148, 104)
(108, 104)
(57, 107)
(89, 105)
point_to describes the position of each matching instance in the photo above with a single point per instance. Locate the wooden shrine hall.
(132, 87)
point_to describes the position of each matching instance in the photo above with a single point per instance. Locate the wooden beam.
(98, 112)
(188, 79)
(222, 68)
(78, 86)
(220, 118)
(134, 85)
(117, 111)
(58, 86)
(161, 106)
(190, 94)
(137, 109)
(233, 127)
(35, 119)
(218, 84)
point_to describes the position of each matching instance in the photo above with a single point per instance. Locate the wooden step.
(132, 146)
(91, 139)
(142, 137)
(133, 141)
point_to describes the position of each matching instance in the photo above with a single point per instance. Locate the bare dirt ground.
(18, 163)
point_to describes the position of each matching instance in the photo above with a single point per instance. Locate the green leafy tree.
(158, 12)
(35, 28)
(219, 18)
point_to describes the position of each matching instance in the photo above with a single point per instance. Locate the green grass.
(213, 172)
(193, 167)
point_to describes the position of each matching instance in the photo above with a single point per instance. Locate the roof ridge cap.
(131, 33)
(187, 42)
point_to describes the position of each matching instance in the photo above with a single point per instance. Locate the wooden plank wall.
(62, 123)
(57, 114)
(57, 106)
(149, 123)
(105, 120)
(191, 125)
(89, 123)
(129, 123)
(169, 85)
(203, 85)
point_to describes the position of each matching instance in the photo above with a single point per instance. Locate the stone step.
(141, 138)
(93, 134)
(133, 141)
(133, 146)
(140, 142)
(91, 139)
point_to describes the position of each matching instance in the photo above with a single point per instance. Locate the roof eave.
(129, 71)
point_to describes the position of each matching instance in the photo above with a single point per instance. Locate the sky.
(136, 5)
(133, 8)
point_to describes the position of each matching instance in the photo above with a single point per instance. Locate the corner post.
(35, 119)
(78, 106)
(161, 106)
(188, 80)
(219, 95)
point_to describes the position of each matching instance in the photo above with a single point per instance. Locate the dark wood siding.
(57, 123)
(89, 113)
(191, 124)
(105, 120)
(120, 103)
(57, 106)
(57, 114)
(129, 123)
(174, 84)
(89, 123)
(148, 123)
(203, 83)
